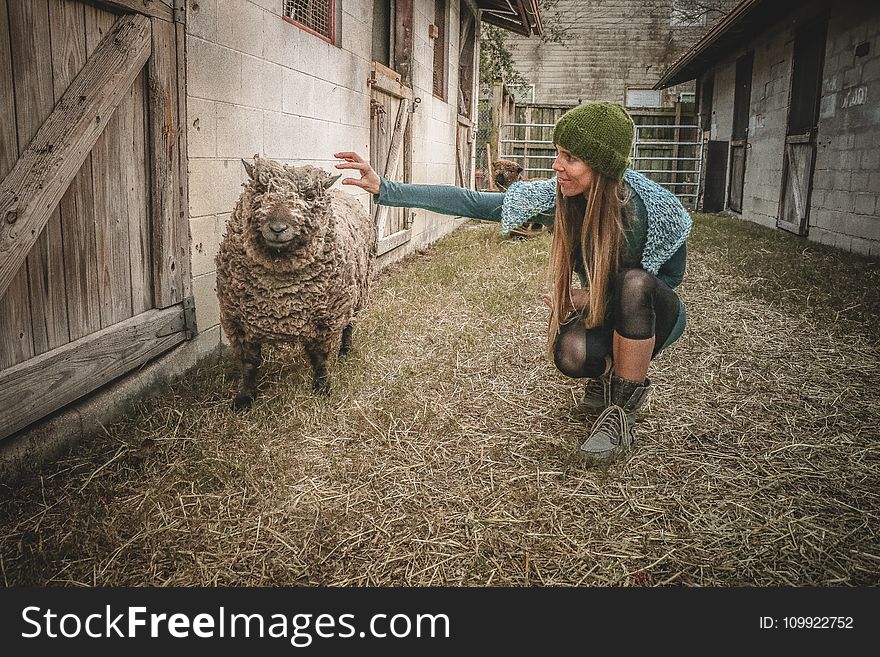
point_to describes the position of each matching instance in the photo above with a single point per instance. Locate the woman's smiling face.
(573, 175)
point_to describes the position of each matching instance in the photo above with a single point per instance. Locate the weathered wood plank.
(44, 171)
(136, 168)
(16, 341)
(158, 8)
(164, 166)
(394, 240)
(184, 263)
(111, 203)
(381, 81)
(391, 164)
(29, 33)
(69, 55)
(403, 40)
(31, 390)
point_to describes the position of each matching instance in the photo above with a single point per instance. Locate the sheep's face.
(288, 205)
(506, 172)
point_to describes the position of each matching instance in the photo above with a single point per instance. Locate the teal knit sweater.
(461, 202)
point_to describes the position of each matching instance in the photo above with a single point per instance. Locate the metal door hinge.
(185, 321)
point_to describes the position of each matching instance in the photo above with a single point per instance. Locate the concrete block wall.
(845, 206)
(722, 99)
(258, 84)
(767, 121)
(845, 200)
(768, 118)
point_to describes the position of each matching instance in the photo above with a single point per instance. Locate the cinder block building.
(789, 100)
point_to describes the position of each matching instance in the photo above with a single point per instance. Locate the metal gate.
(530, 145)
(672, 155)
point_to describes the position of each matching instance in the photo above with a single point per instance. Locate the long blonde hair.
(595, 223)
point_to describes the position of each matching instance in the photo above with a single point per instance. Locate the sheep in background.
(505, 172)
(294, 266)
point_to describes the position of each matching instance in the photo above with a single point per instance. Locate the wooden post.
(676, 151)
(490, 173)
(403, 40)
(495, 123)
(164, 163)
(529, 134)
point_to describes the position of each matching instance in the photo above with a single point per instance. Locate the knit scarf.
(669, 224)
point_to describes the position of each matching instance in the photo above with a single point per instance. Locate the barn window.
(438, 32)
(642, 97)
(315, 16)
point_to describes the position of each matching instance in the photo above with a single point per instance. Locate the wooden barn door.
(799, 157)
(94, 244)
(391, 100)
(389, 139)
(739, 141)
(464, 136)
(716, 176)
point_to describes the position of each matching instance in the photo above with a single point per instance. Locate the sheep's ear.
(330, 180)
(249, 168)
(519, 169)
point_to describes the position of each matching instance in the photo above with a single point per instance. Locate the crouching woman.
(621, 233)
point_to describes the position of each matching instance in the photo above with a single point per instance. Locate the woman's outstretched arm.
(443, 199)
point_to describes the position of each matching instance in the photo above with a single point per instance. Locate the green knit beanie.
(601, 134)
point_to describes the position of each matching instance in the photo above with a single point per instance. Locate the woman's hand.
(369, 179)
(580, 298)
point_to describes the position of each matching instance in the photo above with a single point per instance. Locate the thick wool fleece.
(309, 292)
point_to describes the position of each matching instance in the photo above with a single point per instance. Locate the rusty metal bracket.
(185, 321)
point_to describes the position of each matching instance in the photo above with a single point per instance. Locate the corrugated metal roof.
(520, 16)
(744, 22)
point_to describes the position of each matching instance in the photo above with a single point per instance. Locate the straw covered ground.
(446, 453)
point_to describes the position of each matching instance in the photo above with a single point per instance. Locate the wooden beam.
(393, 160)
(34, 187)
(41, 385)
(403, 40)
(184, 265)
(394, 240)
(168, 246)
(77, 206)
(156, 8)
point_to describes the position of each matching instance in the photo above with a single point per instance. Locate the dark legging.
(641, 306)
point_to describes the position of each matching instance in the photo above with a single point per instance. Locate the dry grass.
(446, 452)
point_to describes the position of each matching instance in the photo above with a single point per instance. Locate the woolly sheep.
(294, 266)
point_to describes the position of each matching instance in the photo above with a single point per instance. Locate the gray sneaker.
(612, 434)
(597, 393)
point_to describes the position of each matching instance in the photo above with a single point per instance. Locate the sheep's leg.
(251, 359)
(318, 354)
(346, 339)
